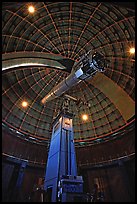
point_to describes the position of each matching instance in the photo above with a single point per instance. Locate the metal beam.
(22, 60)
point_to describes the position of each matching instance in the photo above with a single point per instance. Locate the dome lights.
(24, 104)
(31, 9)
(85, 117)
(132, 50)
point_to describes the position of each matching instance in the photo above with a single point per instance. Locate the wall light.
(85, 117)
(132, 50)
(31, 9)
(24, 104)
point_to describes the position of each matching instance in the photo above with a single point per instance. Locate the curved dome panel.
(68, 30)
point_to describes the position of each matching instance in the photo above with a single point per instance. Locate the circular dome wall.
(68, 30)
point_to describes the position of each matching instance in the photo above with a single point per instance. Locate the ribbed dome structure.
(39, 51)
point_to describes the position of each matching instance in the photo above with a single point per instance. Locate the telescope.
(88, 66)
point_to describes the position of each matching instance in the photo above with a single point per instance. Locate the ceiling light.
(31, 9)
(24, 104)
(85, 117)
(132, 50)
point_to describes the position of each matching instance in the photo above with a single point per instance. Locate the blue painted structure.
(61, 159)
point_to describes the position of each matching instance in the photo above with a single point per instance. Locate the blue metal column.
(15, 187)
(61, 158)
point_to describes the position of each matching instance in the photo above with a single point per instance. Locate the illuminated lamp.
(132, 50)
(85, 117)
(31, 9)
(24, 104)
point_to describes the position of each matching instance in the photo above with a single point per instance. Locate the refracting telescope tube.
(89, 66)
